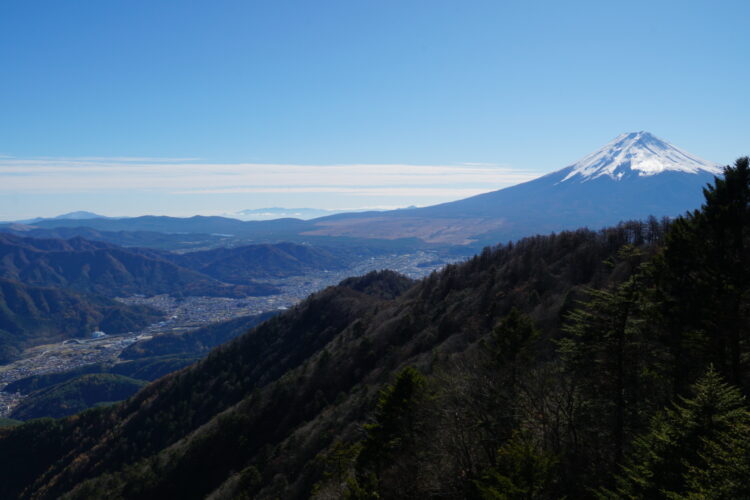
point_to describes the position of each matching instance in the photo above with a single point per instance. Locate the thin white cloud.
(119, 159)
(360, 191)
(61, 175)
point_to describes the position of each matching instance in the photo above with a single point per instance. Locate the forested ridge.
(77, 394)
(108, 270)
(608, 364)
(32, 315)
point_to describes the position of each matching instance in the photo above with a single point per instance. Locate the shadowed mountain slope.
(105, 269)
(75, 395)
(196, 224)
(31, 315)
(277, 396)
(195, 342)
(241, 264)
(150, 369)
(147, 239)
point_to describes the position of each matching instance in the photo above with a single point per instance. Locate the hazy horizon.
(215, 107)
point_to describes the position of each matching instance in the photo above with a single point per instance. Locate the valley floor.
(190, 313)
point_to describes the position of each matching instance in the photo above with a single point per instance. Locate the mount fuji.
(638, 154)
(635, 176)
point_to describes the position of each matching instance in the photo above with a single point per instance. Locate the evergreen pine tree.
(509, 350)
(610, 361)
(702, 279)
(696, 449)
(725, 220)
(387, 458)
(523, 471)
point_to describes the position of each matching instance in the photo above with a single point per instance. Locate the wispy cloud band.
(193, 177)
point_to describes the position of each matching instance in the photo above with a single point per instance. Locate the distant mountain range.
(283, 213)
(296, 384)
(81, 214)
(148, 239)
(567, 355)
(78, 215)
(101, 268)
(242, 264)
(634, 176)
(105, 269)
(53, 289)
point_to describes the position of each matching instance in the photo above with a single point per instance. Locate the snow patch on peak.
(638, 154)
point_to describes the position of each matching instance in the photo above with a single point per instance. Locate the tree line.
(640, 393)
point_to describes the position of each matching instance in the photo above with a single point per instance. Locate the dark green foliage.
(76, 395)
(510, 350)
(512, 340)
(536, 366)
(248, 481)
(141, 239)
(32, 445)
(195, 342)
(189, 399)
(724, 221)
(108, 270)
(279, 375)
(31, 315)
(615, 371)
(696, 449)
(384, 284)
(702, 278)
(142, 369)
(384, 463)
(8, 422)
(395, 427)
(33, 383)
(523, 471)
(246, 263)
(153, 367)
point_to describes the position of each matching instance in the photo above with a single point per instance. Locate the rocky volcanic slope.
(635, 176)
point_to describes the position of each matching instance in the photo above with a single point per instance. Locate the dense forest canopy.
(579, 365)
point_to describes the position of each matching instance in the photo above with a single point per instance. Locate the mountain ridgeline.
(195, 342)
(584, 364)
(133, 238)
(634, 176)
(32, 315)
(54, 289)
(105, 269)
(242, 264)
(75, 395)
(65, 393)
(289, 389)
(145, 368)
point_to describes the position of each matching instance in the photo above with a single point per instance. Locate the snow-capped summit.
(637, 154)
(633, 177)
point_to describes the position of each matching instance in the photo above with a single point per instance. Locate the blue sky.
(180, 107)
